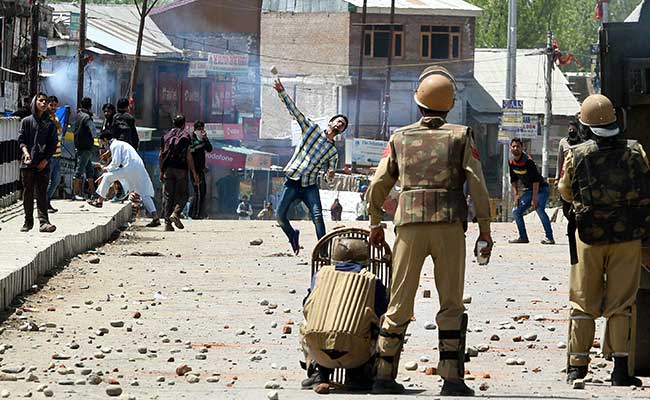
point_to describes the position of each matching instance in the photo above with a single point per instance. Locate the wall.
(463, 68)
(310, 51)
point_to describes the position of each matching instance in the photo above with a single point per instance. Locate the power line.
(353, 67)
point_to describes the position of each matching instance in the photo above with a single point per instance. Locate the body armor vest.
(339, 316)
(429, 159)
(611, 191)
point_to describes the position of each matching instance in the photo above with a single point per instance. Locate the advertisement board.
(226, 159)
(512, 120)
(364, 152)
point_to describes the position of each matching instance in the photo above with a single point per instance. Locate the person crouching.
(342, 318)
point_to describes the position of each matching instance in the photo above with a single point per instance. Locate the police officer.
(606, 179)
(432, 161)
(341, 317)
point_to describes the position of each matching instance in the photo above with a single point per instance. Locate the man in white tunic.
(127, 167)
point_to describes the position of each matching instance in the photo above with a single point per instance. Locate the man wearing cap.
(315, 152)
(607, 179)
(432, 160)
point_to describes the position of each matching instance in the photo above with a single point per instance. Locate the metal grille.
(9, 160)
(380, 264)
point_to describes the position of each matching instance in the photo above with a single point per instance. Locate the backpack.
(174, 147)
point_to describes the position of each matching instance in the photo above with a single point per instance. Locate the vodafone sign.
(222, 158)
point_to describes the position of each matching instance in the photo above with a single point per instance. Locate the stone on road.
(223, 320)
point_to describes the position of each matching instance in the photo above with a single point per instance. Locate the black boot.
(621, 375)
(456, 388)
(574, 373)
(356, 379)
(318, 376)
(387, 386)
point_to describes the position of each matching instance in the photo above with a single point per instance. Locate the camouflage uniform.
(432, 160)
(607, 182)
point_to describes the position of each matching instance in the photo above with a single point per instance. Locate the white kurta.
(126, 167)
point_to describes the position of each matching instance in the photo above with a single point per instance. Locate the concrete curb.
(22, 279)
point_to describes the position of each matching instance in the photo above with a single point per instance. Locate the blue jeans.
(55, 177)
(293, 190)
(524, 204)
(84, 164)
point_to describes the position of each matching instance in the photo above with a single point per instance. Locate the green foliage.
(570, 21)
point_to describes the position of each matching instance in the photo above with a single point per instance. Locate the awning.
(239, 157)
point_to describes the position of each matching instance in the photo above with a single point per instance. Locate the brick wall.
(320, 41)
(411, 45)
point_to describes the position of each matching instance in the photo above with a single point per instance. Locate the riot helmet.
(350, 250)
(436, 89)
(597, 112)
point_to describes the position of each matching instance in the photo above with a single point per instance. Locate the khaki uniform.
(432, 160)
(605, 280)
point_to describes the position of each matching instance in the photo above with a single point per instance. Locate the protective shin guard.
(452, 351)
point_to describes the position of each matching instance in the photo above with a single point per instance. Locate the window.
(440, 42)
(376, 38)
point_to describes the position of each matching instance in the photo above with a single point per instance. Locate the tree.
(144, 8)
(571, 22)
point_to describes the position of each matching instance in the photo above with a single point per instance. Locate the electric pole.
(511, 94)
(548, 112)
(82, 49)
(385, 129)
(360, 74)
(33, 51)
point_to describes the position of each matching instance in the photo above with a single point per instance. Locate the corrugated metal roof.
(116, 28)
(428, 7)
(490, 75)
(435, 7)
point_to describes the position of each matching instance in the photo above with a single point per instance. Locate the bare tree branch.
(138, 7)
(153, 4)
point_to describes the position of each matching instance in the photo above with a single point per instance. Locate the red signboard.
(227, 159)
(191, 99)
(168, 84)
(221, 101)
(233, 132)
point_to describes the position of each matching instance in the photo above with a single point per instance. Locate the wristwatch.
(380, 225)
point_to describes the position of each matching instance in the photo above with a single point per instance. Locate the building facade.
(316, 47)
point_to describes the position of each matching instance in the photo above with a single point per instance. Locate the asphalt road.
(133, 319)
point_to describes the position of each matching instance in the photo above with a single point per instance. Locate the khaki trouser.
(445, 243)
(604, 283)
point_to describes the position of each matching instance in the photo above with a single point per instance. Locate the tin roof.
(486, 94)
(415, 7)
(434, 7)
(115, 27)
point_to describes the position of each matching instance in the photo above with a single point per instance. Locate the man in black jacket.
(199, 146)
(84, 140)
(123, 126)
(37, 142)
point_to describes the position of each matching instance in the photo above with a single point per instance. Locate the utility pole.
(360, 74)
(82, 49)
(548, 112)
(33, 52)
(511, 94)
(385, 129)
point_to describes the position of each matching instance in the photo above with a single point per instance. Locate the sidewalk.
(25, 256)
